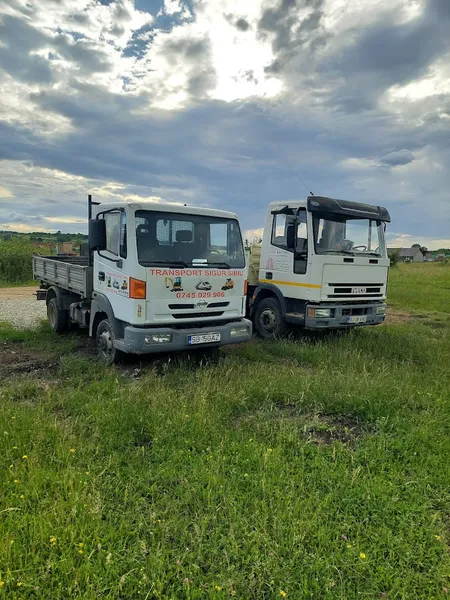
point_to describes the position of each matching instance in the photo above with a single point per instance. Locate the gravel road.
(19, 307)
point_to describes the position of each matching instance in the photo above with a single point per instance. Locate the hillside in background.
(44, 237)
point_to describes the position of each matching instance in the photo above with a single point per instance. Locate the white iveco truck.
(159, 277)
(322, 264)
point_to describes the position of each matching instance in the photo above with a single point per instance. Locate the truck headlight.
(381, 310)
(239, 331)
(158, 338)
(319, 313)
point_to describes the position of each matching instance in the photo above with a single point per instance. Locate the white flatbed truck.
(322, 264)
(158, 278)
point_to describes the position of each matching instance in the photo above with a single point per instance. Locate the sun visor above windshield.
(355, 210)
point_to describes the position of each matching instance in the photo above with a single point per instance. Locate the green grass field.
(308, 469)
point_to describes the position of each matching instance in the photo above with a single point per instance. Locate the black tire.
(268, 320)
(105, 338)
(58, 319)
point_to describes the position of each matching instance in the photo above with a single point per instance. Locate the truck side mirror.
(97, 234)
(290, 236)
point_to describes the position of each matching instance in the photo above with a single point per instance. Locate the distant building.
(65, 248)
(407, 254)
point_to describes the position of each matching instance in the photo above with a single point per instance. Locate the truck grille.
(193, 306)
(356, 290)
(196, 315)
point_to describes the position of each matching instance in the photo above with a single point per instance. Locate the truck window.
(112, 232)
(279, 231)
(167, 237)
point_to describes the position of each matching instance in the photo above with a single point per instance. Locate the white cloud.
(4, 193)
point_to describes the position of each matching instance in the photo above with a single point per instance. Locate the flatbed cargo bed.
(70, 273)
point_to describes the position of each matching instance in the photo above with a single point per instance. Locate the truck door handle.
(101, 276)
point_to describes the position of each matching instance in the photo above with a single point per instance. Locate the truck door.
(284, 261)
(110, 273)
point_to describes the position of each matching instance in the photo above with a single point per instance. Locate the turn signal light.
(138, 289)
(245, 287)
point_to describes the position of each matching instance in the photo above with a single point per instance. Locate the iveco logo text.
(202, 304)
(359, 290)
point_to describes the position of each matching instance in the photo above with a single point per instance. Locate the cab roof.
(171, 207)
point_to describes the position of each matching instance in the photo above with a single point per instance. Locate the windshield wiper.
(224, 265)
(167, 263)
(338, 252)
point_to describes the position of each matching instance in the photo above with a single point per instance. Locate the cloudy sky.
(220, 103)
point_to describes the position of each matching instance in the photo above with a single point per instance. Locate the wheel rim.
(105, 343)
(268, 320)
(51, 314)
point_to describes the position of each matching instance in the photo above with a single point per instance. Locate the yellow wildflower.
(218, 588)
(72, 450)
(362, 555)
(80, 545)
(2, 583)
(438, 537)
(52, 540)
(16, 481)
(80, 551)
(283, 594)
(19, 584)
(245, 474)
(22, 496)
(14, 447)
(349, 546)
(87, 473)
(24, 457)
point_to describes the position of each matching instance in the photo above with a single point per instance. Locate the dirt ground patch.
(16, 359)
(316, 428)
(17, 293)
(398, 317)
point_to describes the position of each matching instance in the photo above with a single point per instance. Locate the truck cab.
(322, 264)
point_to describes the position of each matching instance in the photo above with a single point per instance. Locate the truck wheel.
(105, 338)
(57, 318)
(268, 319)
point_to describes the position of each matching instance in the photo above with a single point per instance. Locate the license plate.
(357, 319)
(204, 338)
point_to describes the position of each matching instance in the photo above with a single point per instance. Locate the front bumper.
(340, 314)
(134, 339)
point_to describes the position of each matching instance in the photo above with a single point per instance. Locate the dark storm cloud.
(19, 39)
(398, 159)
(240, 23)
(196, 55)
(290, 33)
(384, 53)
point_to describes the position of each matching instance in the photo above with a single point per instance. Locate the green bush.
(395, 258)
(15, 261)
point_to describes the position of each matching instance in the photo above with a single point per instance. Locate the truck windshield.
(337, 234)
(181, 239)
